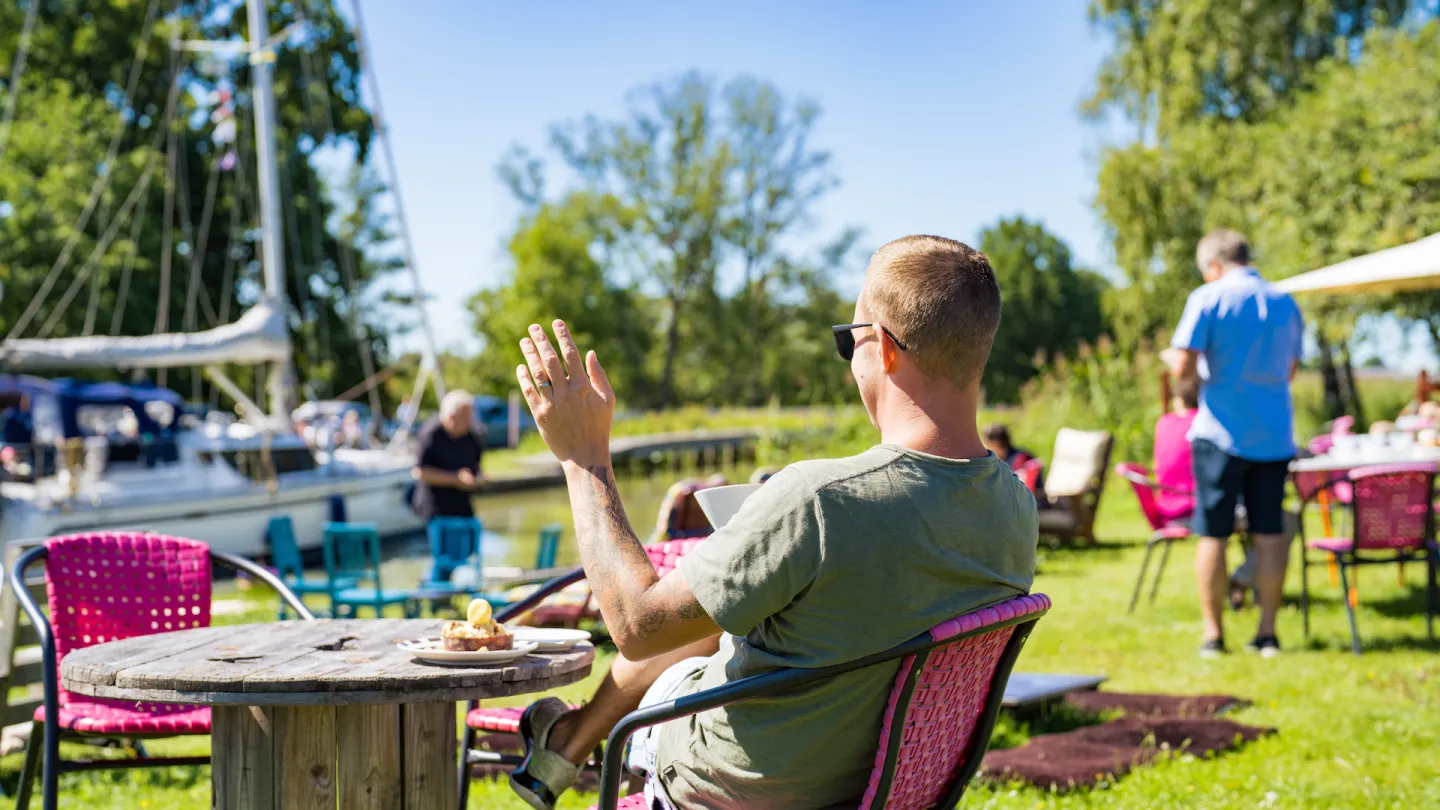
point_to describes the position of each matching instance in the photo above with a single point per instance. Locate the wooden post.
(369, 774)
(429, 751)
(304, 748)
(242, 756)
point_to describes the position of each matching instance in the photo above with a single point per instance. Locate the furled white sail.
(259, 336)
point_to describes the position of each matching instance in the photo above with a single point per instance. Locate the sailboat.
(213, 481)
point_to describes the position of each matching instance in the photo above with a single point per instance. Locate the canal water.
(512, 523)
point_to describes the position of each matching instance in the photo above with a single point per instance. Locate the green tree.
(1212, 87)
(716, 183)
(1179, 61)
(1050, 306)
(556, 272)
(1187, 73)
(72, 108)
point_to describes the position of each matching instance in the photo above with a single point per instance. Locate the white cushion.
(1078, 459)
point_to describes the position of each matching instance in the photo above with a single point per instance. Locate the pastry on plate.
(479, 631)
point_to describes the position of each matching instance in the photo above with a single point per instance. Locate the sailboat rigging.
(206, 482)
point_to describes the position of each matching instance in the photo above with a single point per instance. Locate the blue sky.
(941, 117)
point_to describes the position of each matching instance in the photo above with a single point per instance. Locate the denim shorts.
(1223, 481)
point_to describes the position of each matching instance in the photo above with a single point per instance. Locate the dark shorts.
(1222, 481)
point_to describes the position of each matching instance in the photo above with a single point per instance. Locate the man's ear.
(889, 352)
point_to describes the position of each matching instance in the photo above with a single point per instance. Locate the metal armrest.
(766, 683)
(550, 588)
(265, 575)
(1146, 481)
(50, 676)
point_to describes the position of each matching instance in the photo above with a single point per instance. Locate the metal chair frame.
(50, 730)
(789, 679)
(1167, 534)
(1428, 553)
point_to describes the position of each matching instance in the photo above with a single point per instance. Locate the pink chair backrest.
(105, 586)
(1392, 505)
(933, 721)
(664, 555)
(1029, 474)
(1139, 477)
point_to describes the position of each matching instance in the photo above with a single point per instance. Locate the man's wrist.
(580, 465)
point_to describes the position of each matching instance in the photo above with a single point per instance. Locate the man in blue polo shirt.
(1243, 338)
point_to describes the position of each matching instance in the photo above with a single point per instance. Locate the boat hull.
(235, 522)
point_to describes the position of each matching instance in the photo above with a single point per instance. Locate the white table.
(1370, 458)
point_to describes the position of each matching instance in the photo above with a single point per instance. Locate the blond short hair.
(941, 298)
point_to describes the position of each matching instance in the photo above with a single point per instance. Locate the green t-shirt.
(829, 561)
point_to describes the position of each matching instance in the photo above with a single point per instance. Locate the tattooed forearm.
(619, 570)
(646, 615)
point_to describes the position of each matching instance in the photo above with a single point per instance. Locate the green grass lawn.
(1353, 731)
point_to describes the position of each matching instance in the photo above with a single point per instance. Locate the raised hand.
(570, 398)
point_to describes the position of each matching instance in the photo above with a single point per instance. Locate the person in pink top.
(1173, 470)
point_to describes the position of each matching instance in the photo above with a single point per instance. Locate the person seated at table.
(831, 560)
(1173, 469)
(1175, 472)
(997, 441)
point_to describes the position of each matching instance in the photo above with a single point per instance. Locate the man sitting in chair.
(830, 561)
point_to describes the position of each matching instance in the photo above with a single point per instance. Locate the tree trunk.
(672, 347)
(1334, 403)
(1348, 387)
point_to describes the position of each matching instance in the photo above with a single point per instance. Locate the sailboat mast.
(262, 66)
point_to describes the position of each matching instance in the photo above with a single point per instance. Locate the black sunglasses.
(845, 338)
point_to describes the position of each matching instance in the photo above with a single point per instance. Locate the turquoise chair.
(352, 550)
(549, 546)
(286, 560)
(454, 544)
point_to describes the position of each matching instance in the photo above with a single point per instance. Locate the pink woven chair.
(106, 586)
(1393, 523)
(680, 518)
(1167, 525)
(937, 724)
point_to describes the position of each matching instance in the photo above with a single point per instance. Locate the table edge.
(447, 694)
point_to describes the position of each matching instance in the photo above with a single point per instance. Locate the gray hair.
(1224, 246)
(454, 401)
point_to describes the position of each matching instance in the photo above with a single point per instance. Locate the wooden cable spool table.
(317, 714)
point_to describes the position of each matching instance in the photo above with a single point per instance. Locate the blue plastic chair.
(353, 550)
(454, 544)
(286, 560)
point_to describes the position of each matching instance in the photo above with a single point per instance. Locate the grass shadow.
(1015, 728)
(1405, 605)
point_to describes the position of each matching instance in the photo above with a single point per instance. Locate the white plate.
(433, 650)
(549, 639)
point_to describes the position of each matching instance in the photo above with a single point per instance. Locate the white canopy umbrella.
(1415, 266)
